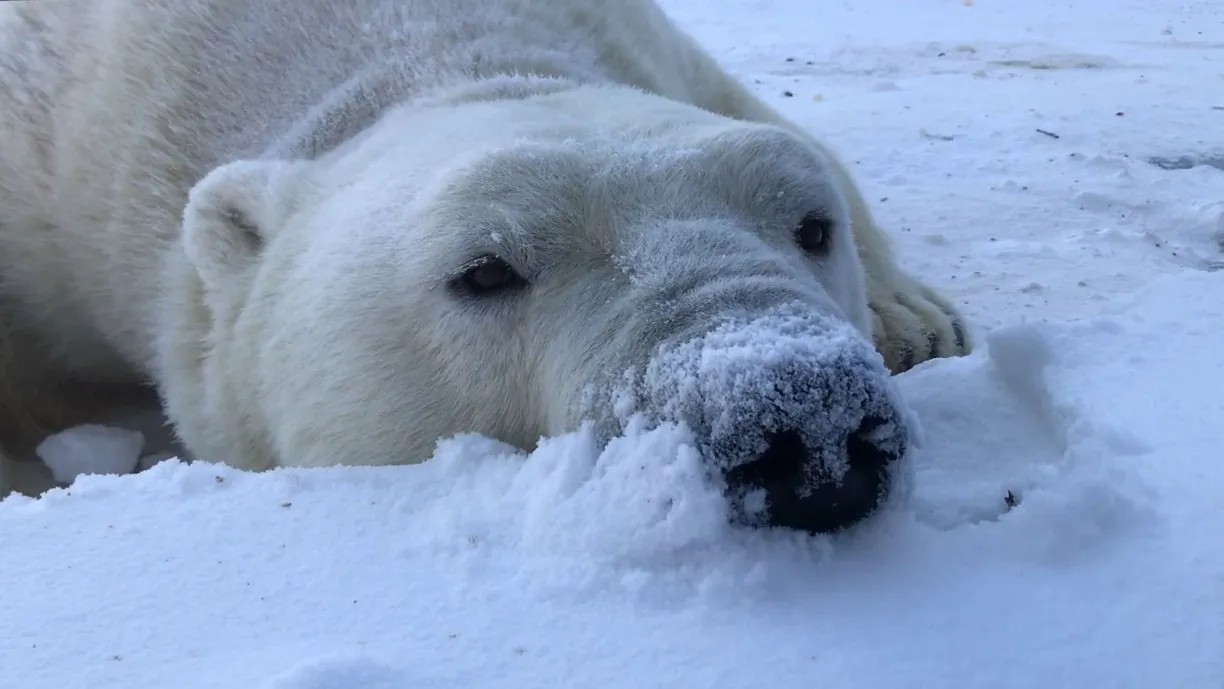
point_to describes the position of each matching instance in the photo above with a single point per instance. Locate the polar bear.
(333, 231)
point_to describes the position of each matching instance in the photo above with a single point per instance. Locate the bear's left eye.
(486, 276)
(814, 233)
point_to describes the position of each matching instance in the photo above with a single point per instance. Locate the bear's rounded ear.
(230, 215)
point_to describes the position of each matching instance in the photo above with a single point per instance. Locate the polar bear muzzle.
(794, 409)
(784, 473)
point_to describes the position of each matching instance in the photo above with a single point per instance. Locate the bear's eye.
(486, 276)
(814, 233)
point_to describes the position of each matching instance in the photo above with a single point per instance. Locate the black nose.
(798, 496)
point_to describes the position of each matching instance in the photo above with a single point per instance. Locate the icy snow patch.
(91, 449)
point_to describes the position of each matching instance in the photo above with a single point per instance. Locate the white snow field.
(1053, 165)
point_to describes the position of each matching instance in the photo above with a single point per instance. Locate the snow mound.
(485, 567)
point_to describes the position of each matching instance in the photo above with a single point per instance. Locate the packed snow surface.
(1054, 166)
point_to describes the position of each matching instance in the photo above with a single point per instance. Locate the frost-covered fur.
(259, 208)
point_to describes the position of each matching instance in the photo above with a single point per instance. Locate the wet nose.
(798, 496)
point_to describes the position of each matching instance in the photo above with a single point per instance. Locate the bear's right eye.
(486, 276)
(814, 233)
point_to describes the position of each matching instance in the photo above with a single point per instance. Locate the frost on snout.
(793, 408)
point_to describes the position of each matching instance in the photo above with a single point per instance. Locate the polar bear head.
(518, 267)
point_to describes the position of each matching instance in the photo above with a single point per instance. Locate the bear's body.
(233, 202)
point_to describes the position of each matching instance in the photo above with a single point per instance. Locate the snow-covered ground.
(1022, 152)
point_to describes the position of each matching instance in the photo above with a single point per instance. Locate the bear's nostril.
(783, 461)
(798, 496)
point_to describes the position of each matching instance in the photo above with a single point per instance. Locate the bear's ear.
(230, 216)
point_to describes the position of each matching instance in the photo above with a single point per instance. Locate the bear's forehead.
(618, 180)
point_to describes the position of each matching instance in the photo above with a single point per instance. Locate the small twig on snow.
(1011, 500)
(938, 137)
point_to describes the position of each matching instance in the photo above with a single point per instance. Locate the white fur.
(256, 206)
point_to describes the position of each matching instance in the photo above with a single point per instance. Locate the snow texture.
(1053, 166)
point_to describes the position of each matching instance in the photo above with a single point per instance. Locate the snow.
(1093, 402)
(91, 449)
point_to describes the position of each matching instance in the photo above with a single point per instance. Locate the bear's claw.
(913, 323)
